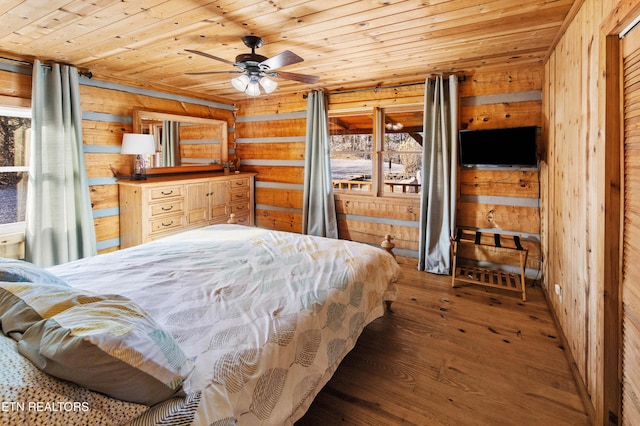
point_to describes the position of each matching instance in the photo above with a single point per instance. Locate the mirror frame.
(139, 115)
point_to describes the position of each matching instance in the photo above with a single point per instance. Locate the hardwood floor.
(463, 356)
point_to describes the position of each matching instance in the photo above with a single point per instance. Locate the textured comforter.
(265, 316)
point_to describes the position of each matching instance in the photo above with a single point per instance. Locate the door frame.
(608, 410)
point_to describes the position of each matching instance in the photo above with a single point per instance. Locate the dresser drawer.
(165, 192)
(242, 219)
(239, 209)
(238, 196)
(166, 223)
(239, 184)
(167, 207)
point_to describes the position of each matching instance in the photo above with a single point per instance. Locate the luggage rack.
(485, 276)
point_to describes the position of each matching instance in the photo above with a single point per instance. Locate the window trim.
(356, 112)
(378, 129)
(22, 112)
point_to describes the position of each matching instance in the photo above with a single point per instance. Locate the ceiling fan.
(256, 69)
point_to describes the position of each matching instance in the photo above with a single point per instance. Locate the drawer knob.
(167, 224)
(167, 193)
(167, 209)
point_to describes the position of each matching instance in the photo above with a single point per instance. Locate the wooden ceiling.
(348, 44)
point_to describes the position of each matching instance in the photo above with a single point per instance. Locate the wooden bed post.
(388, 246)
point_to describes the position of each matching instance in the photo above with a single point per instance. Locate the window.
(352, 151)
(402, 151)
(15, 132)
(378, 151)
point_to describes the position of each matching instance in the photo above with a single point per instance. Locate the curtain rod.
(340, 92)
(87, 74)
(16, 61)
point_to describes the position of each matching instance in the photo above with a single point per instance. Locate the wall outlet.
(558, 290)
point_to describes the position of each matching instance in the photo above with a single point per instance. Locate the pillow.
(13, 270)
(111, 346)
(23, 304)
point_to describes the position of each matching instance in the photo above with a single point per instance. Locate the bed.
(251, 323)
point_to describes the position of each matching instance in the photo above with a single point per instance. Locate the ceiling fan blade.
(206, 55)
(213, 72)
(297, 77)
(281, 60)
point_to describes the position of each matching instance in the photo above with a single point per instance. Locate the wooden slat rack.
(485, 276)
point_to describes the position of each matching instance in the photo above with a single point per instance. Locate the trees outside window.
(15, 131)
(377, 151)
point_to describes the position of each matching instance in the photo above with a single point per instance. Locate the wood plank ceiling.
(348, 44)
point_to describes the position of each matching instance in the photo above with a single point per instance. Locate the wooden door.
(630, 291)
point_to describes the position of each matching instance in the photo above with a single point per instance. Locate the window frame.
(360, 112)
(23, 112)
(377, 156)
(382, 131)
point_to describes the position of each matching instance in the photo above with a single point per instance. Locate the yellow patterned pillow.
(22, 304)
(110, 346)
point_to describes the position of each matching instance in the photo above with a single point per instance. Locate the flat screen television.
(508, 147)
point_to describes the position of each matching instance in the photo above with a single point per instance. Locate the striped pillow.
(22, 304)
(110, 346)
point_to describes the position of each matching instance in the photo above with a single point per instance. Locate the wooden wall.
(581, 196)
(271, 143)
(107, 111)
(107, 114)
(505, 200)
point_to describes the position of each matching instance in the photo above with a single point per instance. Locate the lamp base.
(138, 169)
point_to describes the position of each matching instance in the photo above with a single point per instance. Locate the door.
(630, 283)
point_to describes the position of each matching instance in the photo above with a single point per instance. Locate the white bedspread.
(266, 316)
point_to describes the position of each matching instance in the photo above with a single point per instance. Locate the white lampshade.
(135, 143)
(240, 82)
(253, 89)
(268, 85)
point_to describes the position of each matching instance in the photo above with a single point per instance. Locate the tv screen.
(510, 147)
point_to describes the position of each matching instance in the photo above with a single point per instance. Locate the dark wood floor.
(463, 356)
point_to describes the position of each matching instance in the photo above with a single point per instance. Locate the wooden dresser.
(162, 206)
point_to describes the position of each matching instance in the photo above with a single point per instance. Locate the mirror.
(183, 143)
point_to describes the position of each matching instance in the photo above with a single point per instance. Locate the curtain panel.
(318, 210)
(439, 180)
(59, 218)
(170, 141)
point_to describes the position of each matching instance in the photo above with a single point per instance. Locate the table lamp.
(138, 145)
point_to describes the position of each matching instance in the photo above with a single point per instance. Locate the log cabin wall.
(502, 200)
(107, 114)
(270, 134)
(107, 111)
(270, 141)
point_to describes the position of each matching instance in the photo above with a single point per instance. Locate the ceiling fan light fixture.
(253, 88)
(240, 83)
(256, 69)
(267, 84)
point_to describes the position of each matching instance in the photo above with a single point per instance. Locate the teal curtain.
(318, 210)
(170, 143)
(439, 177)
(59, 217)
